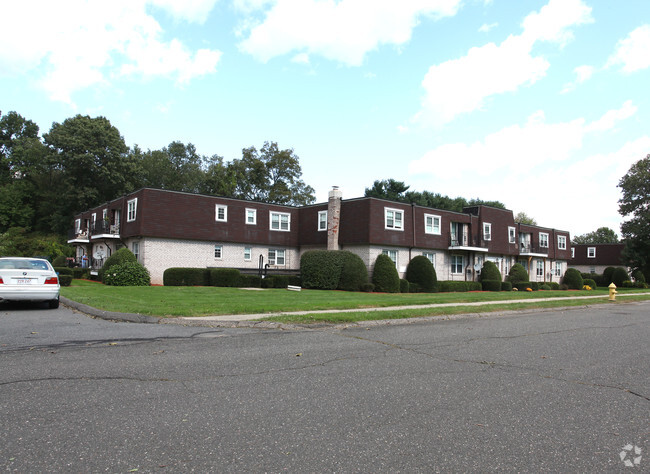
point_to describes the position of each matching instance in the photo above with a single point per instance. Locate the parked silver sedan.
(28, 279)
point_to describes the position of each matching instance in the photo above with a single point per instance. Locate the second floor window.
(251, 216)
(132, 207)
(561, 242)
(591, 252)
(543, 240)
(394, 219)
(487, 231)
(280, 221)
(512, 235)
(322, 220)
(221, 213)
(431, 224)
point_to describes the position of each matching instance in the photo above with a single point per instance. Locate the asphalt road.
(549, 391)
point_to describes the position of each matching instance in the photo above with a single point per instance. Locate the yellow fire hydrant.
(612, 292)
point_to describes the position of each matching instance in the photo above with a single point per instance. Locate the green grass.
(204, 301)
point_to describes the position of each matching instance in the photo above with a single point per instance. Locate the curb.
(110, 315)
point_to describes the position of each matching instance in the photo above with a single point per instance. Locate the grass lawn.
(173, 301)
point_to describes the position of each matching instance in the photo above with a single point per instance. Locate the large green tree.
(634, 206)
(523, 218)
(602, 235)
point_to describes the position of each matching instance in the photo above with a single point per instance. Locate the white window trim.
(462, 265)
(395, 213)
(487, 231)
(274, 261)
(249, 251)
(280, 214)
(254, 213)
(432, 259)
(433, 218)
(320, 221)
(136, 245)
(220, 247)
(541, 241)
(390, 254)
(589, 249)
(512, 235)
(77, 226)
(216, 213)
(561, 242)
(539, 268)
(558, 268)
(131, 210)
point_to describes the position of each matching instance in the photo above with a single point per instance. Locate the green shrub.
(490, 272)
(225, 277)
(65, 280)
(182, 276)
(638, 276)
(573, 279)
(590, 283)
(491, 285)
(414, 288)
(320, 269)
(607, 276)
(458, 286)
(420, 270)
(64, 271)
(627, 284)
(385, 276)
(554, 285)
(506, 286)
(404, 286)
(545, 287)
(123, 255)
(280, 281)
(251, 281)
(368, 287)
(354, 273)
(127, 274)
(81, 273)
(534, 285)
(523, 285)
(517, 274)
(619, 276)
(268, 282)
(60, 261)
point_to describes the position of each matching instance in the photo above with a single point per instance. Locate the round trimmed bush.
(320, 269)
(619, 276)
(491, 285)
(607, 275)
(404, 286)
(573, 279)
(506, 286)
(638, 276)
(127, 274)
(60, 261)
(589, 282)
(65, 280)
(123, 255)
(385, 276)
(354, 273)
(490, 272)
(420, 271)
(517, 274)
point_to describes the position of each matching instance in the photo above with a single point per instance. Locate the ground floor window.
(456, 264)
(431, 256)
(558, 268)
(276, 256)
(540, 268)
(247, 253)
(392, 254)
(135, 248)
(218, 251)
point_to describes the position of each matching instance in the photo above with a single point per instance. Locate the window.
(132, 207)
(512, 235)
(540, 268)
(247, 253)
(77, 226)
(543, 240)
(394, 219)
(431, 256)
(561, 242)
(220, 213)
(487, 231)
(276, 257)
(94, 219)
(322, 220)
(105, 214)
(280, 221)
(591, 252)
(592, 269)
(558, 269)
(392, 254)
(218, 251)
(456, 264)
(431, 224)
(573, 252)
(135, 248)
(251, 216)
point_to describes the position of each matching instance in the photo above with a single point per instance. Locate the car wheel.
(54, 303)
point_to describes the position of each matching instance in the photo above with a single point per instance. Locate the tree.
(602, 235)
(634, 206)
(271, 175)
(523, 218)
(387, 189)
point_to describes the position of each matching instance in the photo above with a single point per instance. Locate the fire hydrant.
(612, 292)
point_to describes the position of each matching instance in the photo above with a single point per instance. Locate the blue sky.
(542, 105)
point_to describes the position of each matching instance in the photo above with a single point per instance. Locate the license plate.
(24, 281)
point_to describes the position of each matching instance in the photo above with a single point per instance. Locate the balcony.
(529, 250)
(105, 230)
(78, 236)
(468, 243)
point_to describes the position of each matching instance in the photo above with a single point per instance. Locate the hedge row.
(332, 270)
(458, 286)
(224, 277)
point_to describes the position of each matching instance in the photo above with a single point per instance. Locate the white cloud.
(633, 52)
(583, 74)
(521, 163)
(88, 43)
(342, 31)
(485, 28)
(188, 10)
(300, 58)
(462, 85)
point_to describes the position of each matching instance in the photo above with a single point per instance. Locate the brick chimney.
(333, 218)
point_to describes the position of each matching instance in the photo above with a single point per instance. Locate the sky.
(542, 105)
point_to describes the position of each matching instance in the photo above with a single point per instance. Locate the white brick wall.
(157, 255)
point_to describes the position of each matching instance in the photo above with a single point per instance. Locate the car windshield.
(23, 264)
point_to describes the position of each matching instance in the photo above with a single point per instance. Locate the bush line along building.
(167, 229)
